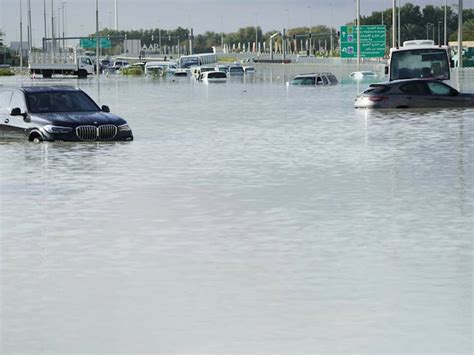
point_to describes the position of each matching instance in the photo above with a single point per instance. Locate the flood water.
(246, 217)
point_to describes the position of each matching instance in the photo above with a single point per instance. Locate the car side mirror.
(453, 92)
(451, 63)
(16, 111)
(386, 70)
(105, 108)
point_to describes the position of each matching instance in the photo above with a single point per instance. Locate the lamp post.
(97, 38)
(358, 35)
(64, 35)
(116, 15)
(398, 25)
(460, 34)
(256, 31)
(309, 37)
(439, 32)
(394, 23)
(445, 24)
(21, 37)
(427, 30)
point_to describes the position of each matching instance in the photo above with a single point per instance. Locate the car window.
(332, 79)
(439, 88)
(416, 88)
(5, 97)
(378, 89)
(325, 80)
(18, 100)
(308, 81)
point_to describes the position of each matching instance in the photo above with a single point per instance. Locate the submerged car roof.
(402, 81)
(47, 88)
(313, 74)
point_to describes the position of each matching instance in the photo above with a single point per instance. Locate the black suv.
(51, 113)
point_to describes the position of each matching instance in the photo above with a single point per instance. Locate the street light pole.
(21, 37)
(394, 23)
(332, 38)
(399, 37)
(310, 40)
(445, 24)
(53, 41)
(439, 33)
(256, 31)
(116, 15)
(460, 34)
(358, 35)
(97, 38)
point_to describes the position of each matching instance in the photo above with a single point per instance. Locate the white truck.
(419, 59)
(47, 64)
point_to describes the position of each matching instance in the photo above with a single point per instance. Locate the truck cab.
(419, 59)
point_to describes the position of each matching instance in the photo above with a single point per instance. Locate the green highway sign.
(372, 41)
(91, 42)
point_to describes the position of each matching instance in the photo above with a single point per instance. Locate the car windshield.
(60, 101)
(420, 63)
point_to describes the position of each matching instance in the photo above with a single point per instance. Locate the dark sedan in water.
(413, 93)
(57, 113)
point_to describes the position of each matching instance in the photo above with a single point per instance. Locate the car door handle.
(7, 120)
(409, 97)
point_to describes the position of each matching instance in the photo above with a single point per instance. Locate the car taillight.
(378, 98)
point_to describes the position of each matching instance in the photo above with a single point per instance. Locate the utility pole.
(21, 37)
(399, 27)
(460, 34)
(358, 35)
(445, 24)
(97, 38)
(394, 23)
(332, 38)
(116, 15)
(64, 41)
(30, 32)
(256, 31)
(53, 42)
(45, 29)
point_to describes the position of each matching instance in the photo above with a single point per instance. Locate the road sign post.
(372, 41)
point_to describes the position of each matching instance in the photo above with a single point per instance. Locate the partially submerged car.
(314, 79)
(213, 77)
(413, 93)
(52, 113)
(363, 74)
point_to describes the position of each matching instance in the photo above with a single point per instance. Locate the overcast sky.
(202, 15)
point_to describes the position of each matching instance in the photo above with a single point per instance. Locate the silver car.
(413, 93)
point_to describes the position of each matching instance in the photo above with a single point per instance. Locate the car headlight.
(124, 128)
(57, 129)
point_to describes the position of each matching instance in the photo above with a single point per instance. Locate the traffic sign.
(91, 43)
(372, 41)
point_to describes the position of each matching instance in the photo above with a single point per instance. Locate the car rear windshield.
(377, 89)
(60, 101)
(216, 75)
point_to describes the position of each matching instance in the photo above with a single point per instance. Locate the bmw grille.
(93, 133)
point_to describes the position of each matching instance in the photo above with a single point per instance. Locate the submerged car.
(52, 113)
(364, 74)
(413, 93)
(314, 79)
